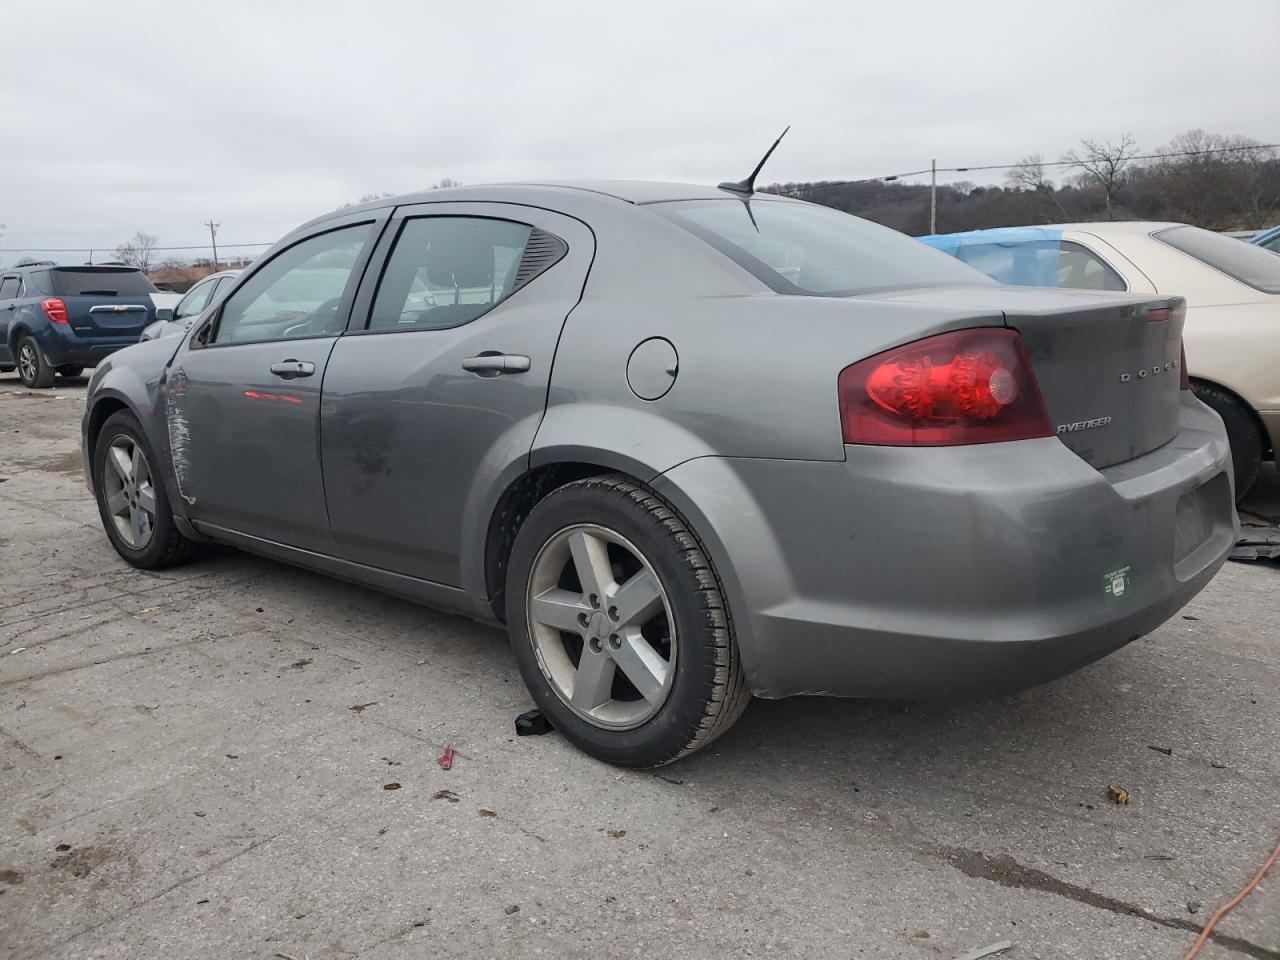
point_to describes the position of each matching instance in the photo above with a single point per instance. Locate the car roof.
(1104, 227)
(573, 197)
(550, 193)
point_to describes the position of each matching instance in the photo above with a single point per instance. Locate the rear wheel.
(131, 498)
(33, 367)
(619, 626)
(1242, 433)
(70, 370)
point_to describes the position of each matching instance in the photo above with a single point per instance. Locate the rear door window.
(99, 282)
(446, 271)
(298, 293)
(1251, 265)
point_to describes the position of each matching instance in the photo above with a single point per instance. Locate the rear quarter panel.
(756, 375)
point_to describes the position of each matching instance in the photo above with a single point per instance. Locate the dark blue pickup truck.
(59, 320)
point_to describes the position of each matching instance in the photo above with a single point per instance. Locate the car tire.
(70, 370)
(647, 547)
(150, 544)
(1242, 434)
(33, 367)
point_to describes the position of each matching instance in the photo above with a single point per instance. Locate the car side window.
(197, 299)
(1273, 244)
(446, 271)
(1082, 269)
(8, 288)
(298, 293)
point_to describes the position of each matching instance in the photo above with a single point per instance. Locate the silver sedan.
(688, 445)
(183, 315)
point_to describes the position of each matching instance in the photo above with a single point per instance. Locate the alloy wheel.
(129, 491)
(601, 625)
(28, 362)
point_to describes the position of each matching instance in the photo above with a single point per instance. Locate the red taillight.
(54, 309)
(1159, 314)
(1185, 380)
(970, 386)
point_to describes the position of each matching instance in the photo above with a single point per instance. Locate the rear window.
(71, 282)
(1245, 262)
(807, 249)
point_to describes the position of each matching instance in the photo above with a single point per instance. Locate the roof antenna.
(748, 186)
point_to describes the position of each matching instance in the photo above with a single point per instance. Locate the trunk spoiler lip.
(1027, 301)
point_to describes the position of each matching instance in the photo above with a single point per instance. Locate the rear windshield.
(73, 282)
(807, 249)
(1256, 266)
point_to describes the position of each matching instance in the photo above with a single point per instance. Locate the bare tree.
(446, 183)
(138, 250)
(1217, 181)
(1102, 164)
(1029, 175)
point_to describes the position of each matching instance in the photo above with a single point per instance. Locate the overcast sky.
(123, 117)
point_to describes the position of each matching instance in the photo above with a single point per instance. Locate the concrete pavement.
(196, 764)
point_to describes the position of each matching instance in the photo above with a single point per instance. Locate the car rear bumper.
(64, 347)
(956, 571)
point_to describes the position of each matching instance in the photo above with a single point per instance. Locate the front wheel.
(132, 500)
(33, 367)
(619, 625)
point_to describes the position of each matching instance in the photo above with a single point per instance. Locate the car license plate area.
(120, 322)
(1196, 515)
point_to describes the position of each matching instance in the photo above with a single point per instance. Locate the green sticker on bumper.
(1116, 583)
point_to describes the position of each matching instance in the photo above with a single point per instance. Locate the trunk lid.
(1109, 375)
(104, 301)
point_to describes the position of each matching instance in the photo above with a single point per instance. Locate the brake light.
(969, 386)
(1184, 381)
(55, 309)
(1159, 314)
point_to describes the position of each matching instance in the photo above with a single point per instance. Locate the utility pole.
(213, 239)
(933, 195)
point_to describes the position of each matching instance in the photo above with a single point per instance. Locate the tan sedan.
(1232, 331)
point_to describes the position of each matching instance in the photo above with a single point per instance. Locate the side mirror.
(164, 314)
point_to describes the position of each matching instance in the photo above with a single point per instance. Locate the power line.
(198, 246)
(1053, 163)
(812, 185)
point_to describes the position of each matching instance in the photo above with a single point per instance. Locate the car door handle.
(292, 369)
(494, 364)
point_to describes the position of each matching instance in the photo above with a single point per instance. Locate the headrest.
(464, 258)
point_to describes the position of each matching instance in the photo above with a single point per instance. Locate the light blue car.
(1270, 239)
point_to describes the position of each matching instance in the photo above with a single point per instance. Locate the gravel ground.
(199, 764)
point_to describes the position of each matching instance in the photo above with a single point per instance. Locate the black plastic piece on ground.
(1257, 543)
(532, 724)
